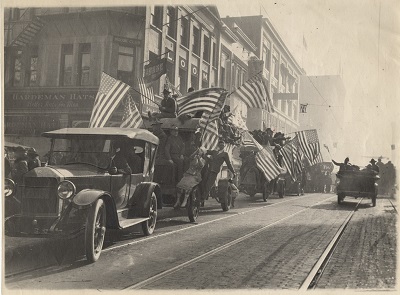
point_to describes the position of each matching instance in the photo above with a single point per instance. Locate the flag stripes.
(291, 157)
(309, 144)
(254, 93)
(209, 100)
(171, 87)
(110, 93)
(146, 93)
(210, 135)
(131, 117)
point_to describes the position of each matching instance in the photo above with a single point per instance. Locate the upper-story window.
(126, 59)
(185, 32)
(84, 64)
(206, 48)
(31, 76)
(171, 21)
(214, 53)
(157, 16)
(275, 67)
(196, 41)
(17, 68)
(66, 65)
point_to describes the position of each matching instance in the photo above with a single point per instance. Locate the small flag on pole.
(303, 108)
(111, 92)
(131, 117)
(146, 93)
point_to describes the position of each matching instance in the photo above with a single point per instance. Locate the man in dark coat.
(119, 162)
(374, 167)
(168, 107)
(217, 159)
(20, 164)
(174, 151)
(343, 166)
(33, 159)
(157, 131)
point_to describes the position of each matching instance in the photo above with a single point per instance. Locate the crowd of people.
(24, 161)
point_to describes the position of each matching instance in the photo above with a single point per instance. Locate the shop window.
(66, 65)
(126, 59)
(206, 48)
(84, 64)
(17, 68)
(171, 22)
(157, 16)
(196, 41)
(185, 32)
(31, 74)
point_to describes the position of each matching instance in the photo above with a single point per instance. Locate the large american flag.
(131, 117)
(209, 100)
(254, 93)
(265, 159)
(110, 93)
(146, 93)
(309, 145)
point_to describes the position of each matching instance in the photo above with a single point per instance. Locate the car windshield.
(94, 152)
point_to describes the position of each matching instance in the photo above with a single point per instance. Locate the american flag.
(131, 117)
(309, 145)
(146, 93)
(111, 92)
(265, 159)
(291, 156)
(171, 87)
(229, 149)
(210, 100)
(236, 119)
(254, 93)
(210, 134)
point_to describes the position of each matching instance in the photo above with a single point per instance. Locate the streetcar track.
(394, 207)
(316, 272)
(140, 240)
(214, 251)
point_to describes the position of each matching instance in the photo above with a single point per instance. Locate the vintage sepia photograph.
(200, 146)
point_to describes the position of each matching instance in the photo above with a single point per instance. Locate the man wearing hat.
(33, 159)
(20, 164)
(174, 150)
(374, 167)
(157, 131)
(167, 108)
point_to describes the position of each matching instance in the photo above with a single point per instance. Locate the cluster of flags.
(303, 149)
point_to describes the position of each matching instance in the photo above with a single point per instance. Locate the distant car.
(80, 192)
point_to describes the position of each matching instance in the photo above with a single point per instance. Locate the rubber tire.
(340, 198)
(95, 224)
(149, 225)
(226, 205)
(373, 200)
(193, 205)
(265, 193)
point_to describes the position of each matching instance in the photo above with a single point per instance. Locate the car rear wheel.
(149, 225)
(193, 205)
(95, 230)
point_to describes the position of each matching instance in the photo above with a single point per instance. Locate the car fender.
(87, 197)
(140, 201)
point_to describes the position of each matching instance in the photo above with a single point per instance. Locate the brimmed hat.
(156, 122)
(32, 152)
(166, 91)
(372, 161)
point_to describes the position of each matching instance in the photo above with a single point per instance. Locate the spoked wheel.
(95, 230)
(373, 200)
(149, 225)
(340, 198)
(193, 204)
(265, 193)
(226, 202)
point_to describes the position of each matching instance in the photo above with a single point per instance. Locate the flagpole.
(145, 96)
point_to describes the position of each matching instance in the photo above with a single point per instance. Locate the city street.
(272, 245)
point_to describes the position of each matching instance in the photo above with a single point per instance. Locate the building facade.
(279, 68)
(54, 58)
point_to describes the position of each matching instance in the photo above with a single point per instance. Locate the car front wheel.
(149, 225)
(95, 230)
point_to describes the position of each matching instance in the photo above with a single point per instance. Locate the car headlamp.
(9, 187)
(66, 189)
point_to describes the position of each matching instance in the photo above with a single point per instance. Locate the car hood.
(66, 171)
